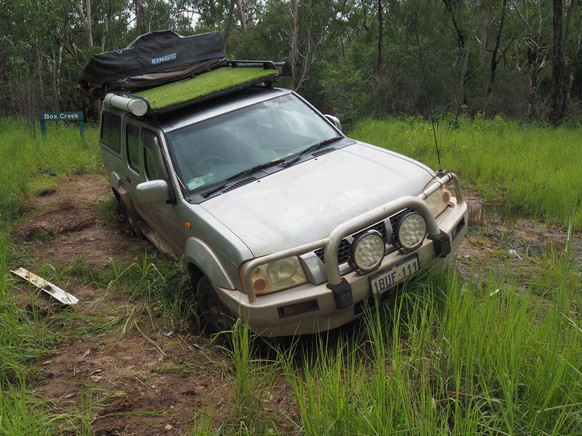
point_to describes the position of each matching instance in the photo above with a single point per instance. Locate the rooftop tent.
(154, 63)
(151, 59)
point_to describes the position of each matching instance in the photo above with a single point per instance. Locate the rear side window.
(111, 131)
(133, 147)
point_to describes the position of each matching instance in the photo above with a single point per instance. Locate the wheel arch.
(200, 260)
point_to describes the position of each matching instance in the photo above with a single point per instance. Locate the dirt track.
(145, 376)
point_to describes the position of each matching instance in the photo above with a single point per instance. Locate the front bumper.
(324, 305)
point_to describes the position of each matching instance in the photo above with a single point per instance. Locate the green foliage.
(534, 170)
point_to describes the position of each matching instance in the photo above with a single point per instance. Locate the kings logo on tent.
(162, 59)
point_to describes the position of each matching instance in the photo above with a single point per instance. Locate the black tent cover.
(152, 53)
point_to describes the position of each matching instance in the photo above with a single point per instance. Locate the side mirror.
(335, 121)
(154, 191)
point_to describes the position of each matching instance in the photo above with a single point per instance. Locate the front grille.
(343, 252)
(394, 219)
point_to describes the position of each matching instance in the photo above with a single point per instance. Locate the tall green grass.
(447, 358)
(31, 163)
(534, 170)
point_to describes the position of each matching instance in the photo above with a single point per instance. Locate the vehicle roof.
(211, 108)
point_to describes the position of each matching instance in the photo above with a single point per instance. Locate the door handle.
(128, 180)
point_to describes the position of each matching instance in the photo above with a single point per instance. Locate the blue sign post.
(79, 116)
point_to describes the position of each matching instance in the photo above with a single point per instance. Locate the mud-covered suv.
(278, 217)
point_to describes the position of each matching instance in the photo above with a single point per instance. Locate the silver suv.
(278, 217)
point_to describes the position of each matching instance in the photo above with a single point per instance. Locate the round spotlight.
(409, 232)
(367, 251)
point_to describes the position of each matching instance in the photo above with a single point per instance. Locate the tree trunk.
(379, 41)
(85, 14)
(557, 96)
(572, 73)
(462, 55)
(494, 58)
(567, 84)
(242, 15)
(294, 50)
(57, 72)
(140, 16)
(89, 24)
(533, 87)
(536, 53)
(379, 56)
(229, 23)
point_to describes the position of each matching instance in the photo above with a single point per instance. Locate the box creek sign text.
(79, 116)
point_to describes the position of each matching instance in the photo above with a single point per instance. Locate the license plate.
(390, 277)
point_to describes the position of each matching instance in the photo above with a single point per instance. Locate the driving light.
(409, 232)
(367, 251)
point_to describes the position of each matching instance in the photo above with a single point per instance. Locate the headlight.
(367, 252)
(409, 232)
(438, 201)
(278, 275)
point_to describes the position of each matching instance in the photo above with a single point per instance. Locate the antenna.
(436, 144)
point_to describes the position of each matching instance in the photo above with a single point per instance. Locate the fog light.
(409, 232)
(367, 251)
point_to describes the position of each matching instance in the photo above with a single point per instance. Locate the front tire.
(213, 311)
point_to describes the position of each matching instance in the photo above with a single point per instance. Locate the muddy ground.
(142, 375)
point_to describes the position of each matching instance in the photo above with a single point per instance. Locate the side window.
(155, 168)
(111, 131)
(132, 144)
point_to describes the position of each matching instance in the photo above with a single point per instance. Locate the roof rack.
(234, 76)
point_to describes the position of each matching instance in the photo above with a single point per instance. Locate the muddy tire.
(213, 311)
(131, 220)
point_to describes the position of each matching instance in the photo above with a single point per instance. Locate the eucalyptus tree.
(557, 97)
(534, 42)
(29, 28)
(457, 11)
(562, 85)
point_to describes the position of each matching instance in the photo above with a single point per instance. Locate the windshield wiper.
(311, 149)
(242, 173)
(229, 181)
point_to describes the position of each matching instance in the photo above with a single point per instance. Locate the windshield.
(212, 151)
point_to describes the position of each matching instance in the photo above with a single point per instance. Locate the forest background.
(352, 58)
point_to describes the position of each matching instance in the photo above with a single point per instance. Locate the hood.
(305, 202)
